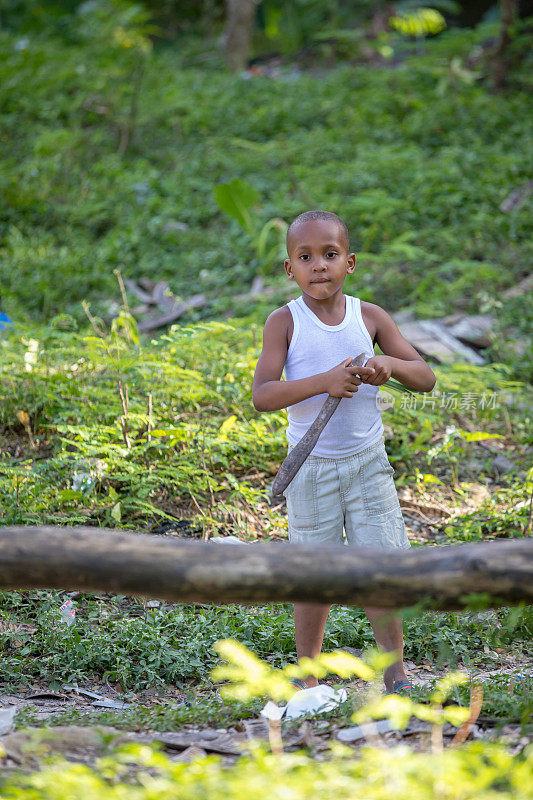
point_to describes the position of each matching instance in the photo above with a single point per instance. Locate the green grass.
(120, 640)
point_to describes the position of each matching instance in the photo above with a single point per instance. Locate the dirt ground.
(27, 747)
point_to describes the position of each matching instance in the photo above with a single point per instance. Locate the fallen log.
(177, 310)
(91, 559)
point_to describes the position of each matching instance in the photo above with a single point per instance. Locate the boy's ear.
(288, 268)
(350, 263)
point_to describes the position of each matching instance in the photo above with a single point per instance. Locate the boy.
(347, 480)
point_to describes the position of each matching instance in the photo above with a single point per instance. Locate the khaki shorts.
(355, 494)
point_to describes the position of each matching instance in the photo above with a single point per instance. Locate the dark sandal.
(299, 683)
(401, 687)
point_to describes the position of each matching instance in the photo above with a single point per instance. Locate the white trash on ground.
(67, 612)
(226, 540)
(108, 703)
(7, 718)
(314, 700)
(82, 482)
(273, 712)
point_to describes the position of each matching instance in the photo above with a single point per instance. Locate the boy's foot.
(401, 687)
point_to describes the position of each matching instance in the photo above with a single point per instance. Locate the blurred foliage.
(140, 772)
(418, 22)
(247, 677)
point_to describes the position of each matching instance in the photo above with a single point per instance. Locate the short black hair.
(308, 216)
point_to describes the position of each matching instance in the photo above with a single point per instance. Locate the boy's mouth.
(321, 280)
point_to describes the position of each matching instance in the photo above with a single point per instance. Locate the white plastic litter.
(226, 540)
(87, 472)
(7, 717)
(356, 733)
(107, 703)
(273, 712)
(315, 700)
(67, 612)
(82, 482)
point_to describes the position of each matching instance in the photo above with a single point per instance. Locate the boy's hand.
(382, 370)
(343, 380)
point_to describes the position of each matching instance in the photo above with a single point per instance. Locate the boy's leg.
(309, 623)
(374, 519)
(388, 632)
(316, 517)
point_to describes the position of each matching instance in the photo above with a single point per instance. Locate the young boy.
(346, 483)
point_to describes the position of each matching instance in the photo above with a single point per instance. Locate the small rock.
(75, 743)
(522, 287)
(403, 316)
(474, 330)
(226, 540)
(108, 703)
(190, 754)
(355, 734)
(503, 464)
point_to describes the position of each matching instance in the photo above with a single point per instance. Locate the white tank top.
(316, 347)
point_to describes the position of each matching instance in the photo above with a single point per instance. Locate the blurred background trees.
(275, 19)
(246, 29)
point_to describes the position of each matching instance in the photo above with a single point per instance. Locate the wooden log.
(91, 559)
(178, 310)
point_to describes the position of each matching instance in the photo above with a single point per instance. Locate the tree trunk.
(238, 34)
(91, 560)
(508, 9)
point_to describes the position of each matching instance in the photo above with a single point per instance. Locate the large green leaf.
(235, 198)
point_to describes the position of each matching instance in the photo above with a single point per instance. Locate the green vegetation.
(73, 456)
(204, 453)
(122, 641)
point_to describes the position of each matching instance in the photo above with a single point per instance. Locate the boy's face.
(318, 258)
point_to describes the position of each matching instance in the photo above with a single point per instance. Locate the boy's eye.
(331, 254)
(304, 257)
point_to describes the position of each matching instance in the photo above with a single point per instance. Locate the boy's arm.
(400, 360)
(270, 393)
